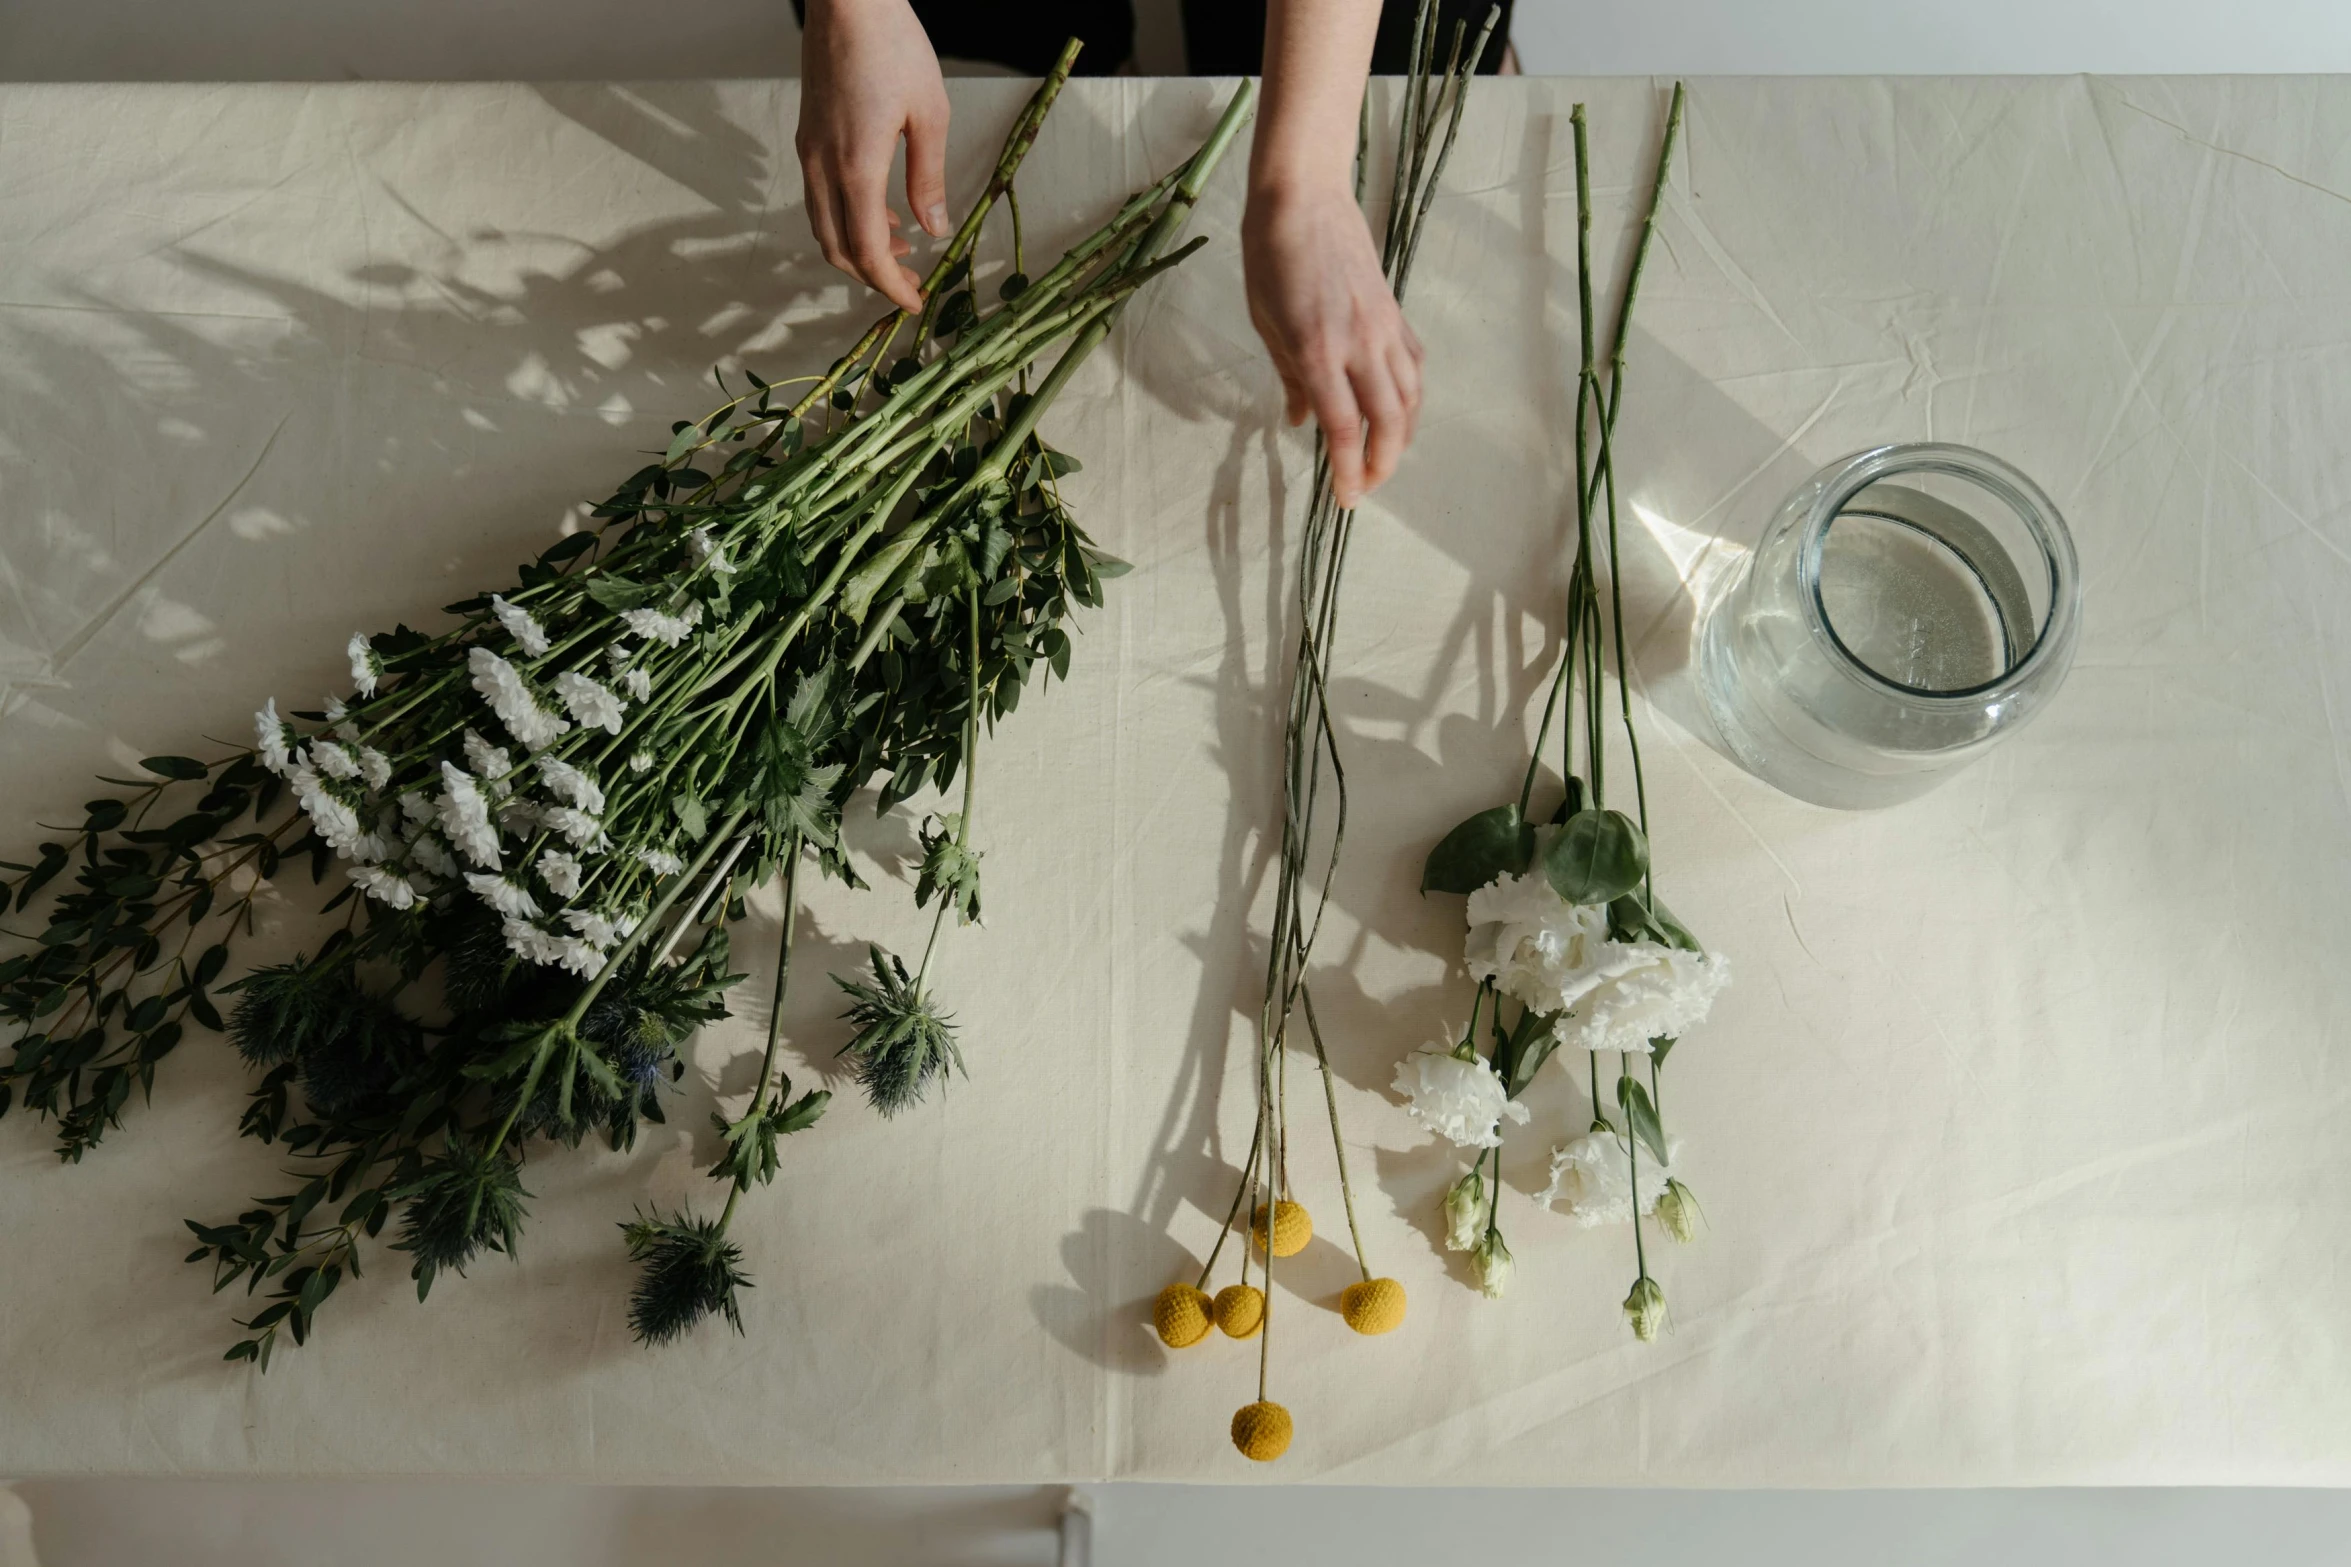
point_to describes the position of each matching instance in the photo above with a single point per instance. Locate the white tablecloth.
(2019, 1138)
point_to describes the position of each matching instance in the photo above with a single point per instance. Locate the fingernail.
(935, 219)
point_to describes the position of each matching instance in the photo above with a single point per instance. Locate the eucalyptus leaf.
(1642, 1114)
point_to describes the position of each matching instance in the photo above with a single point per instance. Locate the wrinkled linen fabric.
(2018, 1139)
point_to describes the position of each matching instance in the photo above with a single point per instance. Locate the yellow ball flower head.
(1292, 1229)
(1240, 1310)
(1373, 1306)
(1261, 1431)
(1182, 1315)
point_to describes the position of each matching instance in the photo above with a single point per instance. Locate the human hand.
(868, 76)
(1342, 347)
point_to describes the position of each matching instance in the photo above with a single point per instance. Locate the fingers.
(1386, 423)
(926, 168)
(1332, 391)
(865, 231)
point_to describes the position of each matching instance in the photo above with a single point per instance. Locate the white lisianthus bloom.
(427, 851)
(527, 633)
(1465, 1212)
(517, 708)
(503, 895)
(273, 739)
(1537, 948)
(1593, 1177)
(596, 928)
(578, 828)
(560, 872)
(656, 626)
(366, 668)
(661, 862)
(707, 552)
(385, 886)
(465, 817)
(1656, 992)
(1463, 1100)
(333, 759)
(593, 705)
(1491, 1262)
(570, 784)
(528, 942)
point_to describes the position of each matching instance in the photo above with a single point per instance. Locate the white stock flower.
(1465, 1212)
(502, 895)
(1537, 948)
(560, 872)
(465, 817)
(707, 552)
(1593, 1177)
(333, 759)
(578, 828)
(1490, 1260)
(596, 928)
(527, 633)
(593, 705)
(273, 739)
(532, 726)
(336, 822)
(490, 763)
(1657, 992)
(375, 768)
(576, 956)
(570, 784)
(528, 942)
(365, 669)
(656, 626)
(661, 862)
(1464, 1101)
(385, 886)
(427, 851)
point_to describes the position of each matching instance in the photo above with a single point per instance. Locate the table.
(2019, 1137)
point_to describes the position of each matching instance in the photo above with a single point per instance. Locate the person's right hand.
(868, 77)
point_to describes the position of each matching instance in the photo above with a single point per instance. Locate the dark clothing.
(1221, 37)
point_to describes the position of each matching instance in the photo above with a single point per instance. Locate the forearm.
(1317, 54)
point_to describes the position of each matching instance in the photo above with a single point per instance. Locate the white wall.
(328, 40)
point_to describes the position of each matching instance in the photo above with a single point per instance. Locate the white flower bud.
(1465, 1212)
(1493, 1264)
(1644, 1308)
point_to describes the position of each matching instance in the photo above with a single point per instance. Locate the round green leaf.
(174, 766)
(1490, 844)
(1596, 857)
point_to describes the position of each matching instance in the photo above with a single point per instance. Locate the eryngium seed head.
(465, 1201)
(686, 1269)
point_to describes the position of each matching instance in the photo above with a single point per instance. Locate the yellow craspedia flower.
(1261, 1431)
(1373, 1306)
(1182, 1315)
(1292, 1229)
(1240, 1310)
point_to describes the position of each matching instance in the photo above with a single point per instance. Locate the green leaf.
(1597, 857)
(566, 547)
(1660, 1048)
(616, 592)
(174, 767)
(1642, 1114)
(688, 436)
(1638, 916)
(208, 967)
(1490, 844)
(693, 820)
(804, 1112)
